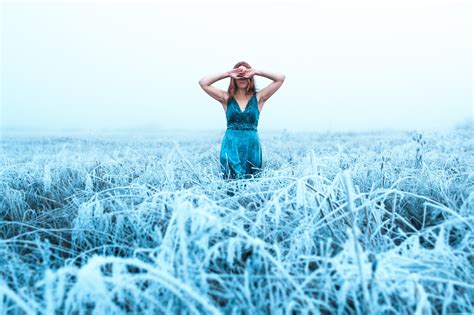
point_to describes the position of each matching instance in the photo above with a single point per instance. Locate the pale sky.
(349, 65)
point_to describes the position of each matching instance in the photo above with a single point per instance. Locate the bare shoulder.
(226, 96)
(260, 101)
(225, 101)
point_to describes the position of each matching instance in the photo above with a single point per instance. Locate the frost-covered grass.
(375, 223)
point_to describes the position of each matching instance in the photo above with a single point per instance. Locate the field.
(338, 223)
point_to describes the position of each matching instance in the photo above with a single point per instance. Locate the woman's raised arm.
(218, 94)
(208, 80)
(270, 89)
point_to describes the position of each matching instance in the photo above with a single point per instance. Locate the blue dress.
(241, 151)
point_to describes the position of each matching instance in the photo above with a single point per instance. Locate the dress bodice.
(241, 151)
(242, 120)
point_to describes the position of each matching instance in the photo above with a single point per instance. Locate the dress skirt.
(241, 154)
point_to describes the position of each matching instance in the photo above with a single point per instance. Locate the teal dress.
(241, 151)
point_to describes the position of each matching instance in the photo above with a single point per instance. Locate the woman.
(241, 152)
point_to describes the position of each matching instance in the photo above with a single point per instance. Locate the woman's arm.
(270, 75)
(208, 80)
(270, 89)
(218, 94)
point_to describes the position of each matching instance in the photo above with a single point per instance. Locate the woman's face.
(242, 83)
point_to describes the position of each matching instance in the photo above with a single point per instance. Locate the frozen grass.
(376, 223)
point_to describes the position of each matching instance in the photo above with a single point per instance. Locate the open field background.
(339, 223)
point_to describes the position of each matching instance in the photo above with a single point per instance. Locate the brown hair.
(233, 85)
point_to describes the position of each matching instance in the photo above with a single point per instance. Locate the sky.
(349, 65)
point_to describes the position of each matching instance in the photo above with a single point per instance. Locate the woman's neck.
(240, 93)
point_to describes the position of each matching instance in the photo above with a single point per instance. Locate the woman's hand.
(237, 73)
(249, 73)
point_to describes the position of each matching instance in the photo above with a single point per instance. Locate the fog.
(349, 65)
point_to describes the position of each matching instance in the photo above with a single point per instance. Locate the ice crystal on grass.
(374, 223)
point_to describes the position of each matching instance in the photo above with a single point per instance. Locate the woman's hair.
(233, 85)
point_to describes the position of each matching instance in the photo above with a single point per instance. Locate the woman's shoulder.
(257, 96)
(227, 98)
